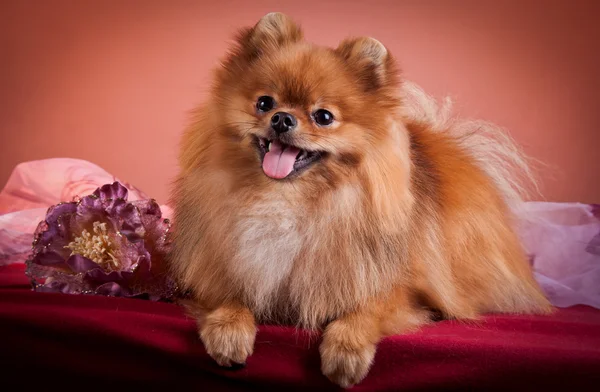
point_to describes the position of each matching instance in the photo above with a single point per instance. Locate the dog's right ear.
(370, 59)
(272, 31)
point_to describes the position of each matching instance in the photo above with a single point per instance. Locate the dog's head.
(296, 112)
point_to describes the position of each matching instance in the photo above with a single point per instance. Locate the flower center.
(95, 246)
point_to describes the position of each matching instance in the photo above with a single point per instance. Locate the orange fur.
(397, 222)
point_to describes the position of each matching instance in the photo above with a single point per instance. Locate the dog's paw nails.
(346, 364)
(229, 344)
(227, 362)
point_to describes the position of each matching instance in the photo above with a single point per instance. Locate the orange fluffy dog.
(316, 189)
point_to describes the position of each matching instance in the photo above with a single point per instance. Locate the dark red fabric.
(98, 343)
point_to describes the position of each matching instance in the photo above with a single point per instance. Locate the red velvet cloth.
(95, 343)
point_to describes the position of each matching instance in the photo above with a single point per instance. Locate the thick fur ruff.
(407, 216)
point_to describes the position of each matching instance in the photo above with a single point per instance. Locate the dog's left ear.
(370, 59)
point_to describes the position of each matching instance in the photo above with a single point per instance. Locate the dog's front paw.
(345, 360)
(228, 335)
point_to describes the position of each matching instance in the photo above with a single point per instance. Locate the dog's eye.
(265, 103)
(323, 117)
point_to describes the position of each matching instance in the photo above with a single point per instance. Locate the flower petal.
(55, 287)
(53, 227)
(97, 277)
(78, 263)
(112, 289)
(58, 210)
(111, 192)
(49, 259)
(128, 252)
(155, 239)
(106, 200)
(131, 226)
(148, 208)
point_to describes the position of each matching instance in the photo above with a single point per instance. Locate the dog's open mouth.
(280, 160)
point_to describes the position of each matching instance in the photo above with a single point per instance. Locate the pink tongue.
(279, 161)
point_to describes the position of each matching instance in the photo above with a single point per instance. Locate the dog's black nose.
(283, 122)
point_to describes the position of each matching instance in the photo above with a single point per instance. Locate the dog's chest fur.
(288, 258)
(268, 241)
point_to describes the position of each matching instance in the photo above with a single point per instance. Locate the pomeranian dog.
(316, 189)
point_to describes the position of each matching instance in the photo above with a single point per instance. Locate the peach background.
(113, 81)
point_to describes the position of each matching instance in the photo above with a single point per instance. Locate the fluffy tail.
(493, 148)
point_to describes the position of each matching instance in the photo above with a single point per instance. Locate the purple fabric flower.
(103, 244)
